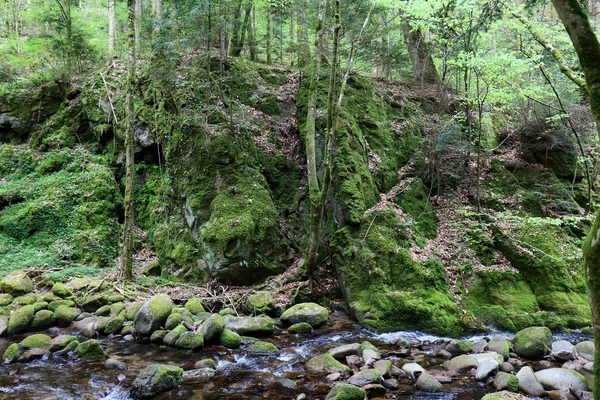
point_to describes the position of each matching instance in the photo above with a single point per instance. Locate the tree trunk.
(587, 47)
(303, 48)
(269, 32)
(421, 59)
(236, 28)
(127, 245)
(238, 45)
(221, 31)
(157, 14)
(112, 28)
(252, 35)
(138, 20)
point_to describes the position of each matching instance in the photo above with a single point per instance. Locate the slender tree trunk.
(269, 31)
(293, 44)
(252, 35)
(238, 45)
(112, 28)
(221, 31)
(587, 47)
(421, 59)
(69, 27)
(236, 28)
(303, 46)
(157, 14)
(128, 225)
(138, 20)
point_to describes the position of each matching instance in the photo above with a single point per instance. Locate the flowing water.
(239, 375)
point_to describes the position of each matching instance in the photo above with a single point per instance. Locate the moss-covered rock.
(173, 320)
(500, 346)
(345, 391)
(5, 299)
(90, 350)
(53, 305)
(158, 336)
(42, 319)
(21, 319)
(260, 303)
(93, 303)
(11, 353)
(212, 328)
(171, 337)
(40, 305)
(65, 315)
(155, 379)
(458, 347)
(190, 340)
(301, 327)
(61, 341)
(16, 283)
(462, 363)
(25, 299)
(38, 340)
(505, 381)
(533, 342)
(132, 310)
(230, 339)
(250, 326)
(260, 347)
(103, 311)
(325, 364)
(194, 305)
(153, 314)
(117, 308)
(114, 325)
(311, 313)
(59, 289)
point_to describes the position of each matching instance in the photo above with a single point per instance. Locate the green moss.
(261, 347)
(11, 353)
(415, 202)
(113, 325)
(345, 391)
(302, 327)
(385, 288)
(90, 350)
(42, 319)
(194, 305)
(20, 319)
(65, 315)
(38, 340)
(132, 309)
(230, 339)
(5, 299)
(60, 290)
(190, 340)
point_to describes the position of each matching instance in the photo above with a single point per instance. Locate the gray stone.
(391, 384)
(480, 346)
(485, 369)
(428, 383)
(412, 368)
(212, 328)
(16, 283)
(533, 343)
(341, 352)
(586, 349)
(250, 326)
(325, 364)
(458, 347)
(504, 395)
(113, 363)
(153, 314)
(499, 345)
(560, 378)
(199, 374)
(155, 379)
(462, 363)
(345, 391)
(312, 313)
(563, 350)
(504, 381)
(529, 383)
(384, 367)
(507, 367)
(365, 377)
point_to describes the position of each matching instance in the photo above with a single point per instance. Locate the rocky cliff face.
(414, 241)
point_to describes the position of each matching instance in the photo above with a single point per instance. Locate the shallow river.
(239, 375)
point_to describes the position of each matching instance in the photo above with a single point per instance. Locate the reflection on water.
(239, 375)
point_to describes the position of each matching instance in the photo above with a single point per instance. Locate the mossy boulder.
(103, 311)
(11, 353)
(428, 383)
(250, 326)
(260, 303)
(462, 363)
(38, 340)
(114, 325)
(173, 320)
(227, 311)
(117, 308)
(158, 336)
(5, 299)
(61, 341)
(325, 364)
(504, 395)
(230, 339)
(190, 340)
(505, 381)
(90, 350)
(458, 347)
(194, 305)
(116, 298)
(93, 303)
(301, 327)
(21, 319)
(533, 342)
(40, 305)
(42, 319)
(3, 324)
(153, 314)
(53, 305)
(260, 347)
(500, 345)
(345, 391)
(365, 377)
(586, 349)
(16, 283)
(61, 290)
(212, 327)
(171, 337)
(132, 309)
(311, 313)
(155, 379)
(65, 315)
(25, 299)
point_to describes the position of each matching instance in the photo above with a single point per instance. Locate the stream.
(239, 375)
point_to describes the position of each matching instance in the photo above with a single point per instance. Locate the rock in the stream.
(261, 348)
(250, 326)
(155, 379)
(260, 303)
(42, 319)
(533, 342)
(37, 340)
(529, 383)
(499, 345)
(212, 328)
(205, 363)
(171, 337)
(132, 309)
(16, 283)
(462, 363)
(65, 315)
(53, 305)
(345, 391)
(230, 339)
(341, 352)
(114, 364)
(480, 346)
(504, 381)
(560, 378)
(199, 374)
(173, 320)
(384, 367)
(458, 347)
(563, 350)
(90, 350)
(586, 349)
(190, 340)
(485, 369)
(428, 383)
(20, 319)
(311, 313)
(61, 341)
(153, 314)
(325, 364)
(365, 377)
(370, 353)
(5, 299)
(412, 368)
(113, 325)
(3, 325)
(11, 353)
(301, 327)
(504, 395)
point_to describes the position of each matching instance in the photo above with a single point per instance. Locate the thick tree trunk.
(587, 46)
(236, 27)
(112, 28)
(420, 56)
(238, 45)
(127, 245)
